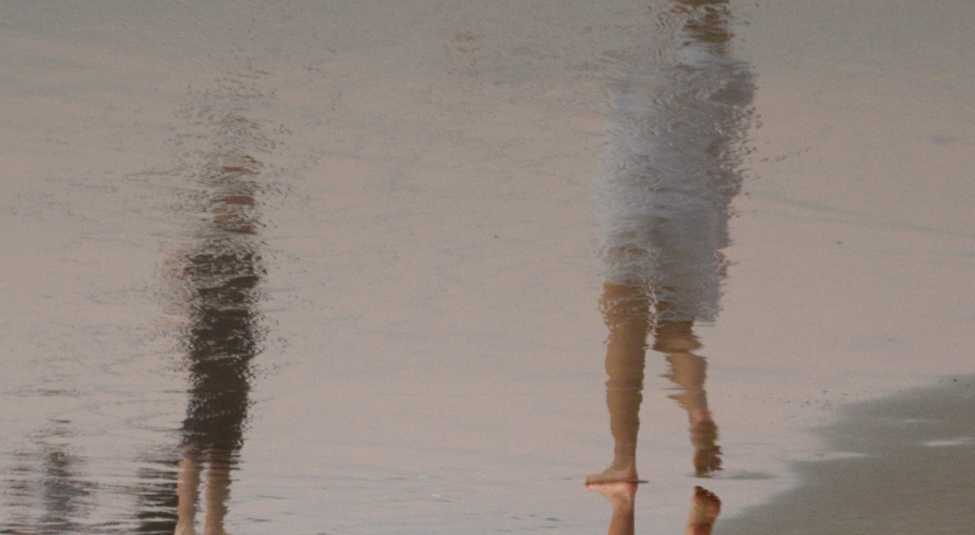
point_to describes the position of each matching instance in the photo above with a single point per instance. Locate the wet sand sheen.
(904, 465)
(431, 303)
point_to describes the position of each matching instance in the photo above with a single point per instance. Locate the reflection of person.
(663, 209)
(627, 311)
(46, 491)
(222, 272)
(705, 507)
(677, 340)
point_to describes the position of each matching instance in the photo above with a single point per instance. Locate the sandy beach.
(902, 465)
(424, 266)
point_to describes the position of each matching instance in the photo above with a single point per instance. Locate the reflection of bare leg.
(705, 507)
(626, 310)
(688, 371)
(621, 494)
(187, 492)
(217, 493)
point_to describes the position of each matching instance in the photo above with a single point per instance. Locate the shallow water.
(344, 263)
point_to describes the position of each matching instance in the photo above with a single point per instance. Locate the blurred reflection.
(217, 278)
(48, 482)
(664, 209)
(215, 275)
(222, 271)
(156, 495)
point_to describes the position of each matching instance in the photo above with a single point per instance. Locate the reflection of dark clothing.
(223, 338)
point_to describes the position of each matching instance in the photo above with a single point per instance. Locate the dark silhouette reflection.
(664, 206)
(222, 271)
(218, 277)
(156, 495)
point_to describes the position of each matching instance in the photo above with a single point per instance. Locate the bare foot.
(705, 506)
(619, 493)
(707, 453)
(614, 474)
(707, 461)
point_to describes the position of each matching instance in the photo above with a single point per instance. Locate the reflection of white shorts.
(674, 253)
(663, 201)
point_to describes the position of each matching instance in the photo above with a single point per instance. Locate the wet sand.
(428, 330)
(904, 465)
